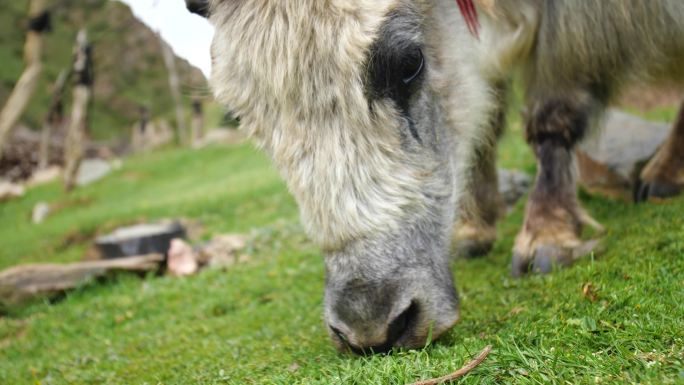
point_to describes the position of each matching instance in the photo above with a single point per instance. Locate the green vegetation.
(615, 318)
(129, 69)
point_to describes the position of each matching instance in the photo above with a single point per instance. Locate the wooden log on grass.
(28, 282)
(39, 22)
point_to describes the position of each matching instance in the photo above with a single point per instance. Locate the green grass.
(261, 322)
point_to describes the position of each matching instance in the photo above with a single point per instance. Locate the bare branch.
(461, 372)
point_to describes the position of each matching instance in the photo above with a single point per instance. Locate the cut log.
(139, 239)
(27, 282)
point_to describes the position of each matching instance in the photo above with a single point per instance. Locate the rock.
(26, 282)
(92, 170)
(221, 251)
(181, 260)
(155, 134)
(194, 229)
(40, 212)
(610, 162)
(513, 184)
(44, 176)
(139, 239)
(9, 190)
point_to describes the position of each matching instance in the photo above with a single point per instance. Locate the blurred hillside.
(129, 67)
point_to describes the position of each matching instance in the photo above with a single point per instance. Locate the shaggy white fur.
(294, 73)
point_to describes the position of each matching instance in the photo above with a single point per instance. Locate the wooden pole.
(197, 127)
(54, 117)
(139, 134)
(174, 84)
(74, 146)
(39, 22)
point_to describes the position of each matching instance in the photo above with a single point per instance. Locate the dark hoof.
(657, 189)
(471, 249)
(520, 265)
(544, 260)
(547, 258)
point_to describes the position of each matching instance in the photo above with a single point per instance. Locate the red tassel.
(469, 13)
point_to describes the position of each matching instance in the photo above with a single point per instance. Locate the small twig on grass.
(467, 368)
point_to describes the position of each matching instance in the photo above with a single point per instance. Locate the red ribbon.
(470, 15)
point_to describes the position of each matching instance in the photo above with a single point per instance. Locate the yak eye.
(395, 72)
(413, 66)
(341, 336)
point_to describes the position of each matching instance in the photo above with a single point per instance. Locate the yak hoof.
(473, 240)
(546, 258)
(471, 248)
(657, 189)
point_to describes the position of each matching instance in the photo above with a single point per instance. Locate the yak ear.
(200, 7)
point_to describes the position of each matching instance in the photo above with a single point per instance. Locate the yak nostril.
(401, 323)
(395, 330)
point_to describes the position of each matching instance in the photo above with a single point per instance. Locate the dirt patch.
(76, 237)
(69, 203)
(646, 98)
(134, 176)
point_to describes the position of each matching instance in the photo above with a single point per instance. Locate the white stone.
(40, 212)
(9, 190)
(92, 170)
(181, 259)
(43, 176)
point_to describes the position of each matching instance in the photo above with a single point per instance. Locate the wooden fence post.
(74, 146)
(139, 134)
(197, 121)
(53, 118)
(39, 22)
(174, 84)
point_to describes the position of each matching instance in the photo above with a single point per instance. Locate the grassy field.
(261, 323)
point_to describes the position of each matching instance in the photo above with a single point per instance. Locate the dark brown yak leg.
(663, 177)
(481, 206)
(552, 228)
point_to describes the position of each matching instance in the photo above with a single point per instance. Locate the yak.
(383, 117)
